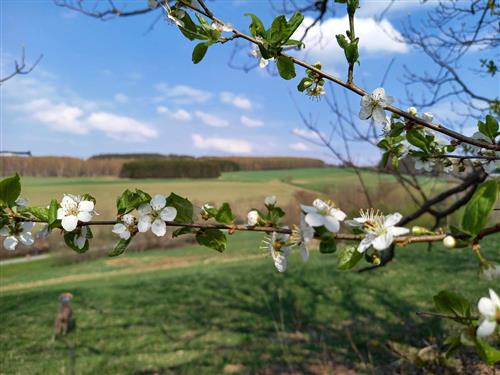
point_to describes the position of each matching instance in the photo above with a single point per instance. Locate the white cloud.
(251, 122)
(121, 98)
(180, 114)
(375, 37)
(307, 134)
(62, 110)
(211, 120)
(228, 145)
(299, 146)
(181, 93)
(235, 100)
(121, 127)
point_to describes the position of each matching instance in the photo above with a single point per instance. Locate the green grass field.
(194, 311)
(191, 310)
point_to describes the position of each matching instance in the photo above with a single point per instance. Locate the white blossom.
(255, 52)
(153, 215)
(126, 227)
(74, 209)
(17, 232)
(412, 111)
(380, 230)
(221, 27)
(279, 248)
(489, 308)
(270, 200)
(426, 165)
(304, 236)
(428, 117)
(323, 214)
(387, 124)
(372, 105)
(253, 218)
(81, 238)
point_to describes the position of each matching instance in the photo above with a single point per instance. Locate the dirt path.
(136, 267)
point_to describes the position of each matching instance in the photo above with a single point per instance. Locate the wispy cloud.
(121, 98)
(251, 122)
(227, 145)
(179, 114)
(121, 127)
(181, 93)
(238, 101)
(211, 119)
(299, 146)
(307, 134)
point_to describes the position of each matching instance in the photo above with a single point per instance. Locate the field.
(191, 310)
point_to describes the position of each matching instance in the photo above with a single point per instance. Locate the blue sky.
(114, 86)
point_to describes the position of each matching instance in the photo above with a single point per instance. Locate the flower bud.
(427, 116)
(419, 231)
(449, 242)
(270, 201)
(253, 218)
(412, 111)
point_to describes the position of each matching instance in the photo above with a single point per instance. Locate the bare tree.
(21, 68)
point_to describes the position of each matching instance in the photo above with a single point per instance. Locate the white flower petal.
(84, 216)
(304, 252)
(392, 219)
(168, 213)
(331, 223)
(378, 93)
(307, 209)
(144, 209)
(159, 228)
(128, 219)
(365, 243)
(383, 241)
(119, 228)
(86, 206)
(487, 308)
(398, 231)
(4, 231)
(486, 328)
(60, 213)
(378, 115)
(314, 219)
(69, 223)
(494, 298)
(26, 238)
(10, 243)
(144, 223)
(27, 226)
(338, 214)
(158, 202)
(125, 235)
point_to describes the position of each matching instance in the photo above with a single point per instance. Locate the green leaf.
(184, 230)
(452, 343)
(286, 68)
(305, 83)
(417, 139)
(120, 247)
(192, 31)
(41, 213)
(225, 214)
(52, 213)
(351, 51)
(327, 245)
(256, 27)
(487, 352)
(183, 206)
(129, 200)
(342, 41)
(199, 52)
(490, 128)
(212, 238)
(294, 23)
(479, 207)
(69, 239)
(277, 33)
(447, 302)
(275, 214)
(348, 257)
(10, 189)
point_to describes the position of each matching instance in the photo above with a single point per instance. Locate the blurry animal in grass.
(63, 321)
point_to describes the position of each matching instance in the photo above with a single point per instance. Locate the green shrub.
(170, 168)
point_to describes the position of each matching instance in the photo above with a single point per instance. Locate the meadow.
(191, 310)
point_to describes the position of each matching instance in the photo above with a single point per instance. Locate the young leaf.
(183, 206)
(225, 214)
(417, 139)
(120, 247)
(70, 239)
(41, 213)
(52, 214)
(479, 207)
(448, 302)
(256, 27)
(487, 352)
(199, 52)
(184, 230)
(304, 84)
(212, 238)
(348, 257)
(10, 189)
(489, 128)
(286, 68)
(129, 200)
